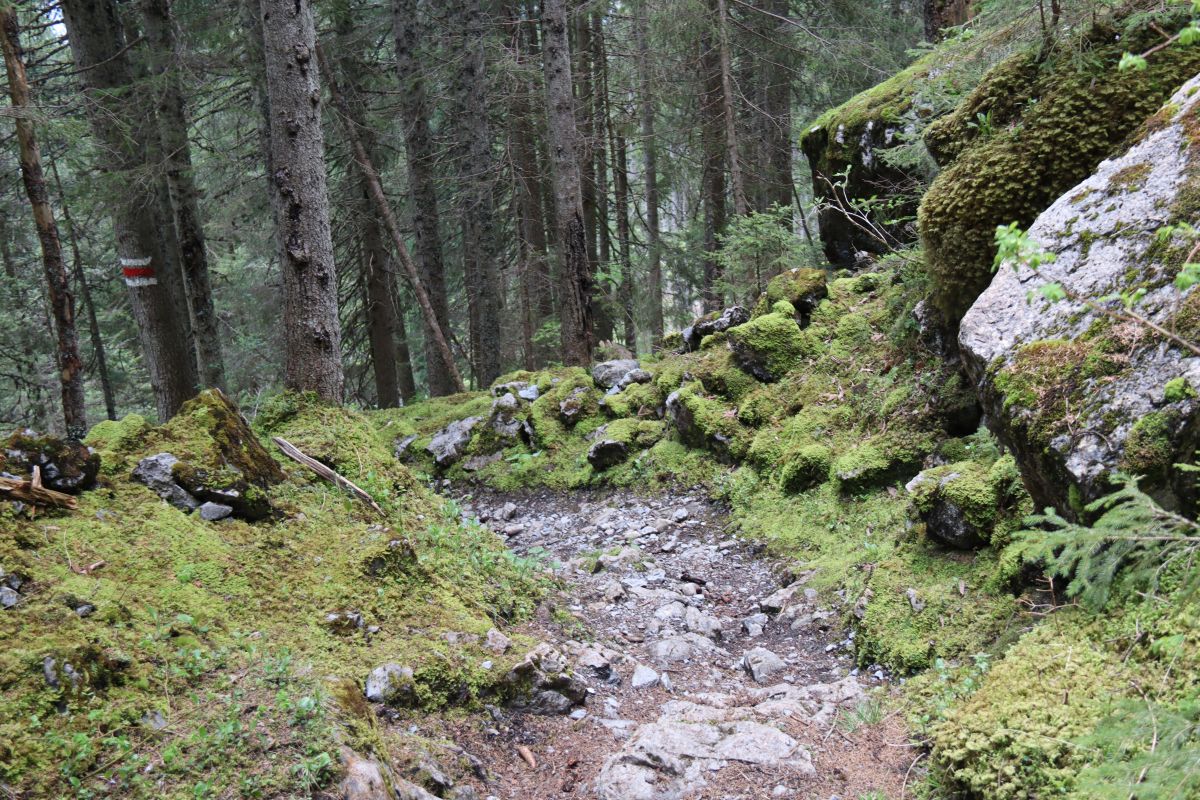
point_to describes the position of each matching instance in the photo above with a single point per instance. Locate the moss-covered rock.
(615, 441)
(881, 461)
(719, 372)
(850, 138)
(707, 423)
(1073, 391)
(804, 467)
(801, 288)
(768, 347)
(1032, 152)
(64, 465)
(961, 503)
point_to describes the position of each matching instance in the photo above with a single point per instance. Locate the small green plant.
(983, 125)
(1132, 542)
(868, 711)
(759, 245)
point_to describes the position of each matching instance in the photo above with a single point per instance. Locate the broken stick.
(32, 492)
(291, 451)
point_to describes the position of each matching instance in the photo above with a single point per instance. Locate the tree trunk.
(418, 146)
(575, 277)
(300, 199)
(621, 186)
(476, 176)
(85, 294)
(650, 167)
(440, 340)
(713, 173)
(537, 287)
(408, 386)
(740, 205)
(777, 107)
(62, 304)
(605, 307)
(585, 126)
(173, 132)
(119, 120)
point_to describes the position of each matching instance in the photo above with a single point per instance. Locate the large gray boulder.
(157, 473)
(1074, 392)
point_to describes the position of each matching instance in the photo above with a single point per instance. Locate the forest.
(628, 399)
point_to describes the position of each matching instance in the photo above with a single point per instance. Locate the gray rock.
(643, 677)
(448, 444)
(507, 420)
(697, 621)
(155, 473)
(391, 684)
(632, 377)
(1102, 232)
(507, 511)
(605, 453)
(400, 448)
(528, 393)
(608, 374)
(684, 647)
(780, 599)
(211, 512)
(85, 610)
(680, 514)
(12, 580)
(497, 642)
(754, 624)
(543, 683)
(914, 600)
(671, 758)
(761, 663)
(8, 597)
(478, 462)
(707, 325)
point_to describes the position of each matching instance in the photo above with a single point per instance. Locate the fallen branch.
(32, 492)
(291, 451)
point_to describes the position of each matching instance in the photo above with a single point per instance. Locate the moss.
(802, 288)
(1177, 390)
(804, 467)
(117, 440)
(706, 422)
(720, 375)
(550, 430)
(881, 460)
(1129, 179)
(713, 340)
(1149, 448)
(1012, 738)
(637, 433)
(770, 346)
(228, 620)
(1085, 109)
(635, 400)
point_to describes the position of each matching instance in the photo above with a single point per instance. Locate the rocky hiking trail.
(703, 670)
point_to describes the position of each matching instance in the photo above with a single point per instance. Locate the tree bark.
(176, 147)
(476, 177)
(418, 146)
(713, 173)
(85, 294)
(300, 199)
(441, 342)
(650, 167)
(575, 276)
(118, 117)
(62, 304)
(621, 187)
(740, 205)
(777, 107)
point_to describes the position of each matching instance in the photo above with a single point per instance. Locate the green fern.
(1132, 543)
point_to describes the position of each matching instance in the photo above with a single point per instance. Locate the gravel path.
(708, 672)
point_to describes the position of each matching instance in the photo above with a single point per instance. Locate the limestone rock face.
(1074, 392)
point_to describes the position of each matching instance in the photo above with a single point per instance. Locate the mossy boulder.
(880, 461)
(850, 138)
(961, 503)
(571, 404)
(705, 422)
(65, 465)
(720, 374)
(1030, 153)
(616, 440)
(802, 289)
(768, 347)
(805, 467)
(1073, 392)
